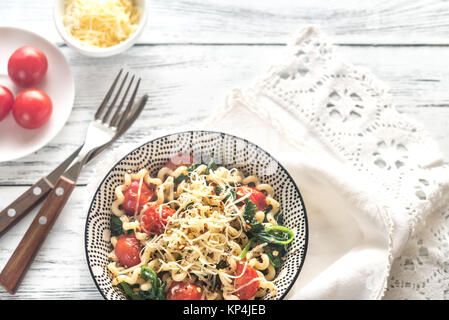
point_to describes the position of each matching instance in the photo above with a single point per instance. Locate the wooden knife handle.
(25, 252)
(23, 204)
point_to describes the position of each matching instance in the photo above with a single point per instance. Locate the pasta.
(196, 232)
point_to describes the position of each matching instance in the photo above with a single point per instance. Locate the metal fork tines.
(104, 127)
(115, 119)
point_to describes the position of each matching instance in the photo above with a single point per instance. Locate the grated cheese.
(101, 23)
(206, 229)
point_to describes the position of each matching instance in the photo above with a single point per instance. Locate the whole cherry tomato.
(6, 102)
(128, 250)
(27, 66)
(184, 291)
(32, 108)
(132, 193)
(154, 218)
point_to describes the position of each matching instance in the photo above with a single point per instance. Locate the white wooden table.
(190, 56)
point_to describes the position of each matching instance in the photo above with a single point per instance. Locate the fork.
(100, 132)
(35, 194)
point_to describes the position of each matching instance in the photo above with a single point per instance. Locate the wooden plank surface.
(60, 269)
(186, 82)
(255, 21)
(190, 57)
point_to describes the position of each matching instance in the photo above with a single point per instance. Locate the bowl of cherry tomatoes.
(36, 92)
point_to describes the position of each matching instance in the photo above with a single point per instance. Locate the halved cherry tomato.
(132, 193)
(154, 218)
(128, 249)
(32, 108)
(246, 291)
(256, 197)
(27, 66)
(181, 159)
(6, 102)
(184, 291)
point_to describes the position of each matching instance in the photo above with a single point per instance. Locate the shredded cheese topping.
(206, 230)
(101, 23)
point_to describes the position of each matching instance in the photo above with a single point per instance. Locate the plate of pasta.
(196, 215)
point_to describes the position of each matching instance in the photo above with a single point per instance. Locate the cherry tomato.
(184, 291)
(32, 108)
(127, 250)
(247, 291)
(256, 197)
(131, 195)
(6, 102)
(182, 159)
(154, 218)
(27, 66)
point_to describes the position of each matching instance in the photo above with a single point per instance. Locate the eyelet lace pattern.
(352, 114)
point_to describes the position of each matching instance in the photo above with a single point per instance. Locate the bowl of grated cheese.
(100, 28)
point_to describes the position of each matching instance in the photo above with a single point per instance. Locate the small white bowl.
(98, 52)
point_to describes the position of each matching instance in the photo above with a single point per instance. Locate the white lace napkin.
(368, 174)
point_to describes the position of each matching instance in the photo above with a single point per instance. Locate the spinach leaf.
(275, 254)
(276, 235)
(250, 211)
(273, 235)
(246, 249)
(211, 166)
(157, 287)
(129, 291)
(268, 209)
(222, 264)
(148, 274)
(182, 177)
(116, 226)
(193, 167)
(155, 293)
(216, 282)
(231, 195)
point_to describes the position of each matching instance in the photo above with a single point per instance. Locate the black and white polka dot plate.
(226, 150)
